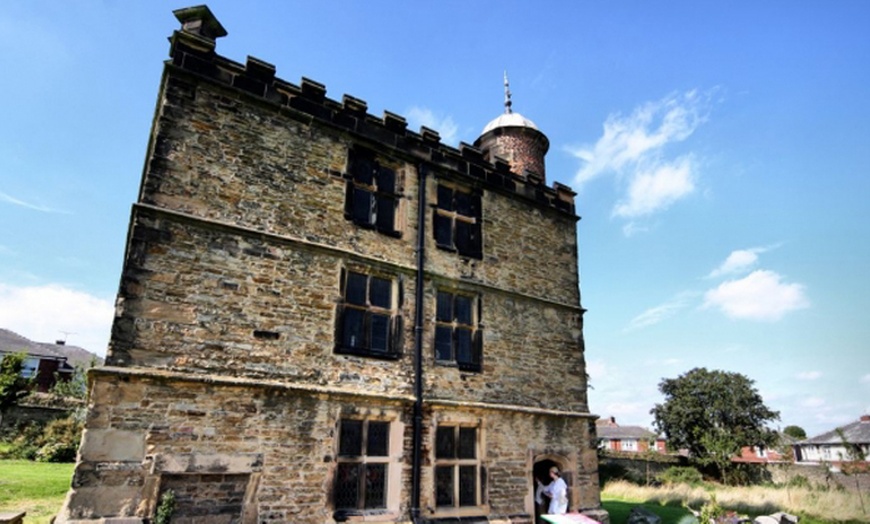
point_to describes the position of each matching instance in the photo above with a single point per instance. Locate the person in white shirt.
(557, 491)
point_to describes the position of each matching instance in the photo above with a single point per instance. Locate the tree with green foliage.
(12, 385)
(795, 432)
(713, 414)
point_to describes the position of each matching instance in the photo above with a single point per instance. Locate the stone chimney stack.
(200, 21)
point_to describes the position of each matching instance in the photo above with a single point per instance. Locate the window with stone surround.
(457, 221)
(372, 193)
(458, 473)
(361, 477)
(368, 319)
(458, 333)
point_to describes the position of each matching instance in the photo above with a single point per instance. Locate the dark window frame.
(457, 221)
(458, 338)
(368, 320)
(362, 467)
(372, 194)
(455, 465)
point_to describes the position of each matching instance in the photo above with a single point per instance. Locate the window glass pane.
(386, 180)
(376, 486)
(444, 485)
(350, 438)
(463, 309)
(347, 486)
(381, 293)
(363, 207)
(386, 213)
(467, 486)
(353, 328)
(445, 442)
(445, 198)
(380, 336)
(464, 348)
(443, 343)
(463, 203)
(463, 238)
(379, 439)
(443, 230)
(444, 307)
(467, 443)
(355, 292)
(363, 168)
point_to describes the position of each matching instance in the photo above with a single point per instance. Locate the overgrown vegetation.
(56, 441)
(814, 505)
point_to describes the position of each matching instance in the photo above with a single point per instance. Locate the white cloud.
(656, 314)
(865, 379)
(761, 295)
(444, 124)
(809, 375)
(50, 312)
(655, 189)
(739, 261)
(632, 148)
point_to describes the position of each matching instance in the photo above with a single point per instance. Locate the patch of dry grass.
(830, 506)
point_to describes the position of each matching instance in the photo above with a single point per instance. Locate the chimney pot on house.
(865, 418)
(60, 342)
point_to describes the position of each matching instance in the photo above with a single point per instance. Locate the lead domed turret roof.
(509, 120)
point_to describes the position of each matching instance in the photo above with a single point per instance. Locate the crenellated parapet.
(193, 50)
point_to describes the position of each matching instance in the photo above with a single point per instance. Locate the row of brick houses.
(325, 316)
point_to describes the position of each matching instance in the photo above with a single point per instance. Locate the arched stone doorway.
(541, 471)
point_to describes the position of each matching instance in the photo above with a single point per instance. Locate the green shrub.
(798, 481)
(56, 441)
(680, 475)
(166, 508)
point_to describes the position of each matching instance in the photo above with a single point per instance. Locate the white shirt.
(558, 492)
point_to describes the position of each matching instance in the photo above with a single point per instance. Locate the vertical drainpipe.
(418, 346)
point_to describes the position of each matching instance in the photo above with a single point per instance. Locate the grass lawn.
(35, 487)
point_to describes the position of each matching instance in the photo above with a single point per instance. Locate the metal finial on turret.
(507, 95)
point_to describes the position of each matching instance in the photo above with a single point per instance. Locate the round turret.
(516, 139)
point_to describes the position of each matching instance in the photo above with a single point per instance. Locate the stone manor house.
(324, 316)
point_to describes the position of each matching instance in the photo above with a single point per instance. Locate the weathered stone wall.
(222, 361)
(142, 427)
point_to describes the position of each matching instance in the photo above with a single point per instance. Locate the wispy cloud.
(739, 261)
(655, 187)
(809, 375)
(633, 147)
(422, 116)
(865, 379)
(44, 313)
(21, 203)
(761, 295)
(656, 314)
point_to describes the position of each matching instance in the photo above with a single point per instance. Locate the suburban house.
(45, 363)
(832, 447)
(630, 439)
(325, 316)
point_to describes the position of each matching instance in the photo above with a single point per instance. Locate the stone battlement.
(193, 50)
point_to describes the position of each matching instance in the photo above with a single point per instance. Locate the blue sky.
(719, 150)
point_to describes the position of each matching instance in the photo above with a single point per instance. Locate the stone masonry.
(235, 376)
